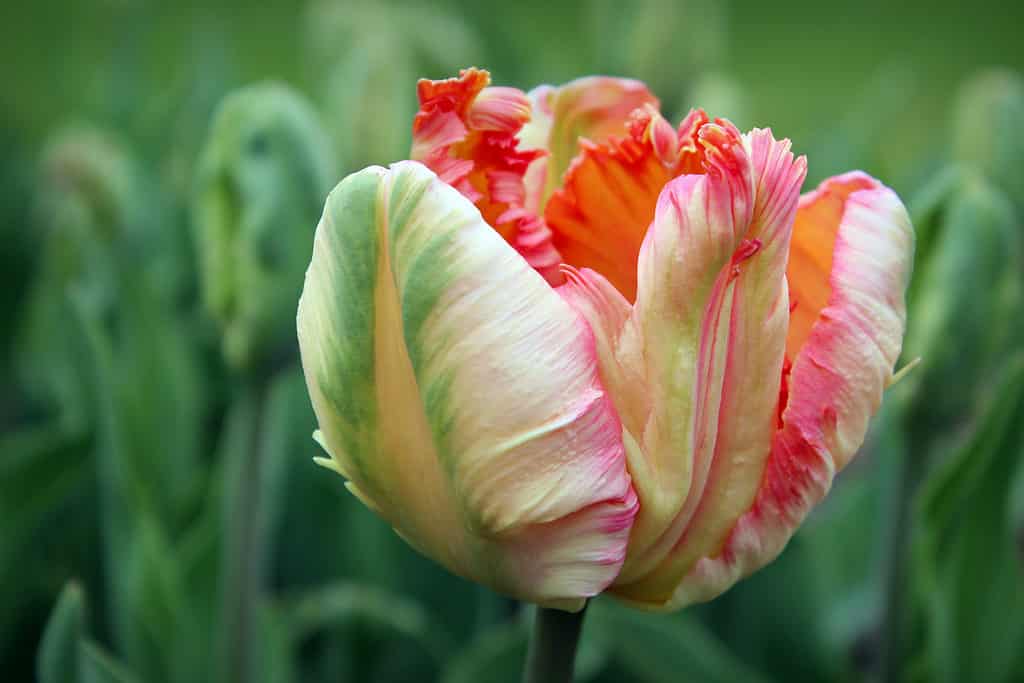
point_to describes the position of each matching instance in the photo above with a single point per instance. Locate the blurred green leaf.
(41, 467)
(987, 129)
(150, 404)
(970, 571)
(970, 279)
(48, 521)
(67, 655)
(659, 648)
(367, 58)
(345, 602)
(371, 633)
(57, 659)
(87, 202)
(275, 658)
(99, 667)
(634, 43)
(496, 654)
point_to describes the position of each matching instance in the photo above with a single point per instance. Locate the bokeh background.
(162, 167)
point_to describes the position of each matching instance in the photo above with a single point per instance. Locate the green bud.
(264, 173)
(965, 299)
(367, 58)
(988, 129)
(86, 205)
(718, 94)
(635, 43)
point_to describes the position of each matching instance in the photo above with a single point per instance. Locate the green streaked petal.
(459, 393)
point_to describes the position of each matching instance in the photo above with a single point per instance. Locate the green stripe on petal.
(459, 393)
(346, 336)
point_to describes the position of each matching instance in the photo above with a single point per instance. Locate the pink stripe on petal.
(835, 384)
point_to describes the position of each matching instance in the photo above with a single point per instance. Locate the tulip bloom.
(571, 348)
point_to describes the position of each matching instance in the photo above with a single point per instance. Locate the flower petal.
(704, 346)
(466, 132)
(597, 108)
(599, 216)
(839, 368)
(459, 393)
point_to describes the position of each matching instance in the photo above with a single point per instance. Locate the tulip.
(571, 348)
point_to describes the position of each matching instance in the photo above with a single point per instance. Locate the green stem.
(552, 651)
(246, 587)
(896, 602)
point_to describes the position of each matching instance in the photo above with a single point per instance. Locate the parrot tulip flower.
(571, 348)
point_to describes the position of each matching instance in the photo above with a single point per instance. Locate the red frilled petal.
(467, 133)
(849, 265)
(601, 213)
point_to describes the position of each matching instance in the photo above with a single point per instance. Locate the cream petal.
(459, 393)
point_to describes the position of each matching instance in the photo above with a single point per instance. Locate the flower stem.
(895, 587)
(552, 652)
(244, 563)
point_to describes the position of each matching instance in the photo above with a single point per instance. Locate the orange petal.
(810, 256)
(467, 133)
(597, 108)
(601, 213)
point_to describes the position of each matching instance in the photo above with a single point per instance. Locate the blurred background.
(162, 167)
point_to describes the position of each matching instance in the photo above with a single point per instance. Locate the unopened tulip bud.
(988, 131)
(364, 55)
(87, 201)
(264, 173)
(965, 299)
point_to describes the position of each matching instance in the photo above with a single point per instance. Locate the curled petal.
(467, 133)
(854, 242)
(599, 216)
(459, 394)
(596, 108)
(704, 346)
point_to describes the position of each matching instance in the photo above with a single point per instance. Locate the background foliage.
(163, 167)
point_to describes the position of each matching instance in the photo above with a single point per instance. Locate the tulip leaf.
(97, 666)
(48, 518)
(275, 661)
(496, 654)
(972, 577)
(57, 658)
(970, 280)
(365, 633)
(67, 655)
(346, 602)
(665, 647)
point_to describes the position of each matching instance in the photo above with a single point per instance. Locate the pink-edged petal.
(459, 393)
(695, 366)
(596, 108)
(467, 133)
(839, 369)
(718, 455)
